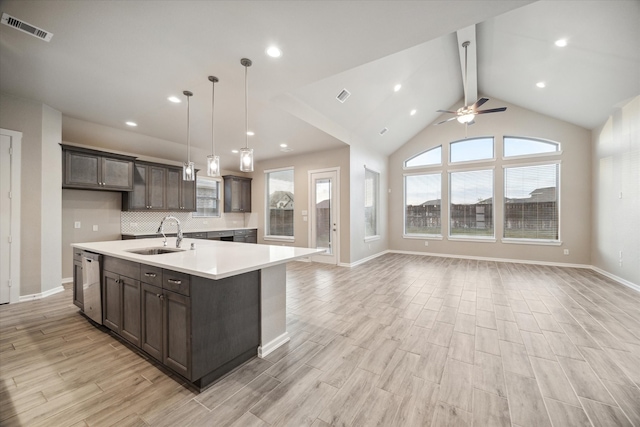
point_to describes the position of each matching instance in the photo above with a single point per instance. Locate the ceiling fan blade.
(478, 103)
(445, 121)
(446, 111)
(493, 110)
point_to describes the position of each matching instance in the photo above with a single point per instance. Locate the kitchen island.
(201, 312)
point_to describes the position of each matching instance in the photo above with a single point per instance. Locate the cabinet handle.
(158, 295)
(174, 281)
(150, 274)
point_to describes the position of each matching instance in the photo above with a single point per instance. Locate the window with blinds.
(371, 184)
(531, 202)
(207, 198)
(471, 204)
(422, 200)
(280, 202)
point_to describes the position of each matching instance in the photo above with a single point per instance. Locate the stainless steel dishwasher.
(92, 291)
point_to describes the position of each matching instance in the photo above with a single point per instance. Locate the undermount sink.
(154, 251)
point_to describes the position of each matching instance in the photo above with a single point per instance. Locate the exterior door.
(10, 144)
(324, 215)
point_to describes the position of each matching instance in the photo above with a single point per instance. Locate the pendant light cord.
(188, 94)
(246, 107)
(213, 97)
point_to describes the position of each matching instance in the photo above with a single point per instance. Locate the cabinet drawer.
(175, 281)
(214, 234)
(77, 255)
(250, 232)
(202, 235)
(151, 275)
(122, 267)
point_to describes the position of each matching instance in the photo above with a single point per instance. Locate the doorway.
(324, 214)
(9, 216)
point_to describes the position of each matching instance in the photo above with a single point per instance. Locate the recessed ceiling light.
(132, 124)
(541, 85)
(234, 151)
(274, 52)
(397, 87)
(413, 112)
(283, 145)
(561, 42)
(174, 99)
(250, 133)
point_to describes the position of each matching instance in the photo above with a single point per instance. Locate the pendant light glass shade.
(246, 153)
(188, 168)
(213, 161)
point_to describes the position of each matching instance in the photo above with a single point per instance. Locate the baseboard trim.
(66, 280)
(620, 280)
(269, 347)
(363, 260)
(40, 295)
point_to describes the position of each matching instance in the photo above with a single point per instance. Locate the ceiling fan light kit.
(467, 114)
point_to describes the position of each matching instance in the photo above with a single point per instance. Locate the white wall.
(41, 187)
(616, 194)
(575, 186)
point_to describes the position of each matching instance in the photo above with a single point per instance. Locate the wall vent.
(384, 130)
(342, 96)
(26, 28)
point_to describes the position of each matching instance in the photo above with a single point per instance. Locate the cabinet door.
(155, 187)
(112, 301)
(82, 170)
(177, 337)
(174, 181)
(117, 174)
(130, 329)
(137, 199)
(245, 195)
(151, 334)
(188, 196)
(78, 294)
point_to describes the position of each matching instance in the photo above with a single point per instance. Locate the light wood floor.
(399, 341)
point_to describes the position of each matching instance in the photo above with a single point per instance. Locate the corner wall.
(616, 194)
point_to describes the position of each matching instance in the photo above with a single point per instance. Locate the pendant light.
(246, 153)
(188, 168)
(213, 161)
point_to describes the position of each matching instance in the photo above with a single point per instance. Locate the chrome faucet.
(161, 230)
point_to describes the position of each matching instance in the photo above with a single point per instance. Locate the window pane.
(207, 194)
(371, 180)
(422, 204)
(430, 157)
(524, 146)
(471, 149)
(471, 207)
(280, 203)
(530, 205)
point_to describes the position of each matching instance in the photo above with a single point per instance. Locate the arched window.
(472, 149)
(514, 146)
(426, 158)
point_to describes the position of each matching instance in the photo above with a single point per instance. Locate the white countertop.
(211, 259)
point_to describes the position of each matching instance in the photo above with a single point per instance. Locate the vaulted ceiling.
(110, 62)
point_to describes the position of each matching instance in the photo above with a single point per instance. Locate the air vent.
(383, 131)
(26, 28)
(342, 96)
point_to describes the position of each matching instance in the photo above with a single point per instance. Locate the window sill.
(422, 236)
(533, 242)
(371, 238)
(473, 239)
(279, 239)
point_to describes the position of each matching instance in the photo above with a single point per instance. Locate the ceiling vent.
(26, 28)
(384, 130)
(342, 96)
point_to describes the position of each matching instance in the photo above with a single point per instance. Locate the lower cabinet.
(121, 305)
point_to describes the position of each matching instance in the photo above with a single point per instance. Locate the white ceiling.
(113, 61)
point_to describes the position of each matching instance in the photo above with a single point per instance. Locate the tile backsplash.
(148, 222)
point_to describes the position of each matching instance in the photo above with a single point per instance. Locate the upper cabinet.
(159, 187)
(96, 170)
(237, 193)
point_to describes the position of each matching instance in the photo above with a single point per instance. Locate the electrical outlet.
(426, 243)
(76, 224)
(566, 251)
(304, 218)
(95, 228)
(133, 224)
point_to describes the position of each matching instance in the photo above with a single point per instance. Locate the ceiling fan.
(467, 113)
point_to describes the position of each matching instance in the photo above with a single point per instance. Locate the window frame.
(532, 155)
(432, 165)
(471, 238)
(272, 237)
(528, 241)
(421, 236)
(376, 174)
(218, 212)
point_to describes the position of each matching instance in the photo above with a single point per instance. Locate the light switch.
(95, 228)
(304, 218)
(76, 224)
(304, 213)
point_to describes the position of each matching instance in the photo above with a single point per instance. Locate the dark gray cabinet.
(237, 193)
(158, 187)
(96, 170)
(246, 236)
(78, 293)
(121, 298)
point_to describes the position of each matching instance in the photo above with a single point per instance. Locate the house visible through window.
(207, 198)
(471, 204)
(422, 205)
(371, 184)
(280, 199)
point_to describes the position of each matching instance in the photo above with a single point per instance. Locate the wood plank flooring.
(399, 341)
